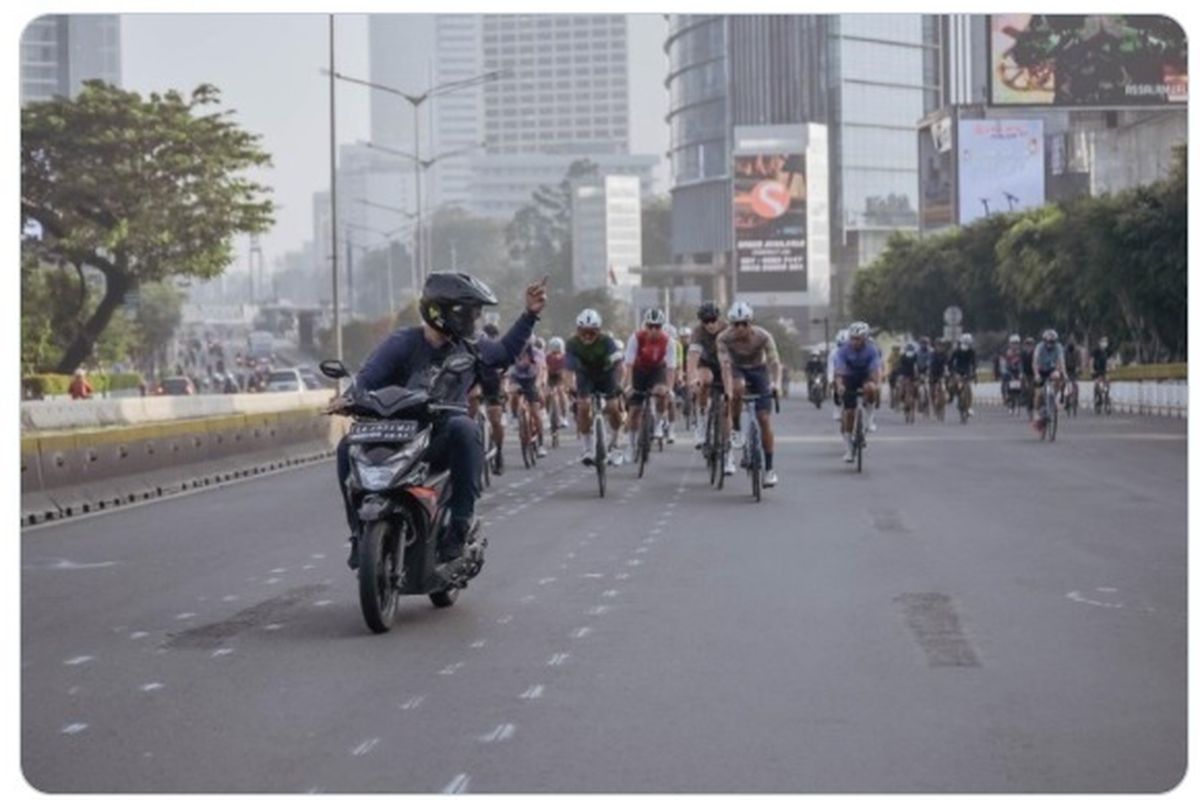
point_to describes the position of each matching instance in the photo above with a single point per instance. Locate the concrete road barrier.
(1151, 398)
(40, 415)
(70, 472)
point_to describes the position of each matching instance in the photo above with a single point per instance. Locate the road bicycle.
(964, 398)
(753, 455)
(1049, 428)
(1102, 396)
(714, 448)
(938, 393)
(858, 433)
(529, 441)
(600, 449)
(908, 399)
(647, 430)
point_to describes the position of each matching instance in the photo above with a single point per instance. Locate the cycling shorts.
(528, 388)
(757, 382)
(489, 385)
(554, 379)
(646, 380)
(606, 384)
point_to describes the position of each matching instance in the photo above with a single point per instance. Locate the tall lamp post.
(420, 165)
(825, 320)
(337, 316)
(416, 100)
(388, 239)
(407, 215)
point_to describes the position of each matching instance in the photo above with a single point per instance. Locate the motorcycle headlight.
(377, 477)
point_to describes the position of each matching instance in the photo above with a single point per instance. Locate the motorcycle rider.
(450, 306)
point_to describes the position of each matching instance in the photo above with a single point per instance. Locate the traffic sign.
(952, 316)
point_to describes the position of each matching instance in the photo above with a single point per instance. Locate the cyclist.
(704, 369)
(939, 360)
(1010, 369)
(527, 378)
(650, 369)
(682, 382)
(858, 368)
(924, 353)
(906, 374)
(1071, 358)
(676, 382)
(555, 364)
(491, 383)
(814, 368)
(1100, 356)
(892, 360)
(839, 340)
(1049, 361)
(962, 368)
(593, 364)
(746, 351)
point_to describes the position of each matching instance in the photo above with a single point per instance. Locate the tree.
(159, 312)
(656, 231)
(539, 235)
(139, 189)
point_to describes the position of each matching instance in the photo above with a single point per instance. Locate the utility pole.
(337, 315)
(349, 276)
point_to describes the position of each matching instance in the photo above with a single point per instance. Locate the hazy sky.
(267, 67)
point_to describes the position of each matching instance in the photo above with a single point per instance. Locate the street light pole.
(337, 316)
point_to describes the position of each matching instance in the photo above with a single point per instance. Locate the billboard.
(1001, 167)
(770, 221)
(1086, 60)
(935, 151)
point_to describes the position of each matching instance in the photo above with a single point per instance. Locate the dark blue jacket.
(405, 358)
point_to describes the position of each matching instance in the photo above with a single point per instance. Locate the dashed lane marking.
(501, 733)
(224, 651)
(579, 633)
(151, 687)
(138, 635)
(533, 692)
(458, 785)
(478, 643)
(74, 728)
(77, 660)
(597, 611)
(558, 659)
(610, 593)
(412, 703)
(365, 747)
(450, 669)
(504, 620)
(545, 581)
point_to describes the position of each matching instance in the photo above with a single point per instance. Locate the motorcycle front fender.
(374, 507)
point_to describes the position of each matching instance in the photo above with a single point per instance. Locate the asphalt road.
(977, 611)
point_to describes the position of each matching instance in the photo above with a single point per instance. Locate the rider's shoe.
(616, 457)
(735, 439)
(730, 467)
(498, 463)
(770, 478)
(848, 456)
(352, 559)
(588, 459)
(872, 427)
(541, 451)
(670, 435)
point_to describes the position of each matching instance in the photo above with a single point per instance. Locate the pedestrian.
(80, 388)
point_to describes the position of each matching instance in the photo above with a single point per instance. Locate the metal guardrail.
(1150, 398)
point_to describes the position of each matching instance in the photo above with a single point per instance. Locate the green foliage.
(48, 384)
(359, 339)
(656, 231)
(791, 354)
(139, 189)
(1114, 265)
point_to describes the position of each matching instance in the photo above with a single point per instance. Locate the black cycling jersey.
(923, 356)
(937, 365)
(1100, 361)
(1071, 359)
(906, 366)
(963, 361)
(1026, 362)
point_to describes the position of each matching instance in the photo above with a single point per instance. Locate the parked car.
(176, 385)
(285, 380)
(311, 381)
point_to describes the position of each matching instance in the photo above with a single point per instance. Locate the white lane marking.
(478, 643)
(579, 633)
(450, 669)
(77, 660)
(317, 555)
(413, 702)
(272, 580)
(529, 598)
(74, 690)
(185, 615)
(642, 550)
(66, 563)
(1079, 598)
(307, 567)
(558, 659)
(533, 692)
(545, 581)
(507, 618)
(458, 785)
(274, 626)
(634, 562)
(621, 576)
(592, 535)
(138, 635)
(597, 611)
(279, 570)
(649, 540)
(364, 748)
(75, 727)
(224, 651)
(501, 733)
(1104, 589)
(672, 504)
(151, 687)
(657, 529)
(592, 575)
(229, 598)
(570, 555)
(323, 603)
(610, 593)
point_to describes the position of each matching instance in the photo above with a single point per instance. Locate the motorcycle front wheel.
(380, 555)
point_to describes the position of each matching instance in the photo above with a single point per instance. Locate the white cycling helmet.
(910, 348)
(654, 317)
(1050, 335)
(669, 330)
(556, 344)
(740, 312)
(1014, 339)
(588, 318)
(966, 339)
(858, 329)
(842, 337)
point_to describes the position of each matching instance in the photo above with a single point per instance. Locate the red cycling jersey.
(651, 350)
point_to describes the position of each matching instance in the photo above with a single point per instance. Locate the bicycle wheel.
(485, 435)
(523, 433)
(643, 443)
(601, 454)
(554, 422)
(860, 439)
(1053, 424)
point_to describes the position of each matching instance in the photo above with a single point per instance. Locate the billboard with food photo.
(1086, 60)
(770, 221)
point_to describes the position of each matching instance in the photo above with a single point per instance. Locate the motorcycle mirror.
(332, 368)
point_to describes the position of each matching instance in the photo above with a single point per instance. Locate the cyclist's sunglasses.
(741, 324)
(654, 327)
(588, 333)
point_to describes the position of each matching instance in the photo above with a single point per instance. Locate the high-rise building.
(565, 96)
(867, 77)
(60, 51)
(606, 231)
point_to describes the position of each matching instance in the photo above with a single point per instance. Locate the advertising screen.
(1086, 60)
(1001, 167)
(770, 222)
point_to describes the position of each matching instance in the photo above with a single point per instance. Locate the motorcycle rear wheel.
(380, 554)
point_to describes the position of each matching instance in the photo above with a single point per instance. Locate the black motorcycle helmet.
(708, 311)
(451, 302)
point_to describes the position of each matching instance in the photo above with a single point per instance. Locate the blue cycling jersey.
(861, 362)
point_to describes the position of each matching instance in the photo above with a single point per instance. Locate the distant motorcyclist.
(414, 357)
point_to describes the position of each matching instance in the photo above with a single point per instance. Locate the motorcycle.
(400, 501)
(816, 390)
